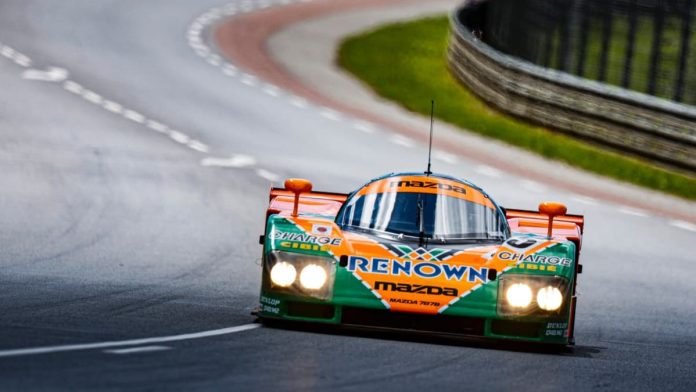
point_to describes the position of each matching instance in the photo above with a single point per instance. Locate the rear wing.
(281, 201)
(569, 226)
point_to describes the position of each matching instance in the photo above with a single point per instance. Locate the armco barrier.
(654, 128)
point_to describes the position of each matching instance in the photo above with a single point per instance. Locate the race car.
(421, 252)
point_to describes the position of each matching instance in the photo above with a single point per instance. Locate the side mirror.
(297, 186)
(552, 209)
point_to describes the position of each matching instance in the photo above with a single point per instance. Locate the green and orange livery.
(420, 252)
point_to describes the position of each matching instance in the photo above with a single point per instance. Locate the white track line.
(402, 141)
(179, 137)
(364, 127)
(683, 225)
(22, 60)
(198, 146)
(112, 107)
(330, 114)
(157, 126)
(585, 200)
(55, 74)
(195, 37)
(230, 72)
(136, 350)
(271, 90)
(299, 102)
(7, 52)
(445, 157)
(488, 171)
(15, 56)
(249, 80)
(73, 87)
(122, 343)
(634, 212)
(93, 97)
(235, 161)
(134, 116)
(267, 175)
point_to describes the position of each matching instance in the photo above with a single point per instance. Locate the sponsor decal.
(419, 303)
(533, 258)
(556, 329)
(407, 252)
(270, 301)
(270, 309)
(324, 230)
(416, 288)
(403, 301)
(303, 246)
(424, 269)
(427, 184)
(270, 305)
(538, 267)
(522, 242)
(308, 239)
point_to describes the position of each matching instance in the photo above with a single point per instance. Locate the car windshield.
(434, 216)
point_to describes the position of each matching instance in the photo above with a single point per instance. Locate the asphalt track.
(133, 189)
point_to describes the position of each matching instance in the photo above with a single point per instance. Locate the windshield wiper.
(421, 222)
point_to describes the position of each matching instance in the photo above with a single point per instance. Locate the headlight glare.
(549, 298)
(300, 274)
(283, 274)
(531, 295)
(519, 295)
(313, 277)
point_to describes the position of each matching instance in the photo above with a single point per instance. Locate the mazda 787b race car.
(420, 252)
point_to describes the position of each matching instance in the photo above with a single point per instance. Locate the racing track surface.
(133, 189)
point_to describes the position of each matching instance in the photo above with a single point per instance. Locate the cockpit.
(427, 209)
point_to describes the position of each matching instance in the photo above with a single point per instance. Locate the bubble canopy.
(435, 208)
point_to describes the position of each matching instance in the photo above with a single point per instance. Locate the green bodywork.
(481, 303)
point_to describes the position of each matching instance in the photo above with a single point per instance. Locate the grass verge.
(406, 62)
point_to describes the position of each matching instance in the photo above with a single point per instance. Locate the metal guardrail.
(660, 130)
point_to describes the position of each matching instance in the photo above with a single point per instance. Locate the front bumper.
(291, 308)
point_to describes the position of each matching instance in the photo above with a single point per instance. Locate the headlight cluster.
(301, 274)
(525, 295)
(283, 274)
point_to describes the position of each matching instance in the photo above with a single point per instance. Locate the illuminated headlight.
(549, 298)
(531, 295)
(313, 277)
(300, 274)
(283, 274)
(519, 295)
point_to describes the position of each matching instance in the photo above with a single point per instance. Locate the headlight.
(549, 298)
(313, 277)
(531, 295)
(299, 274)
(283, 274)
(519, 295)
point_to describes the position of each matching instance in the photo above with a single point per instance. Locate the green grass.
(406, 62)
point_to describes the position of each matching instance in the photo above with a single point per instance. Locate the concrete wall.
(654, 128)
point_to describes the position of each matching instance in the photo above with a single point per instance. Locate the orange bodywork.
(325, 206)
(420, 184)
(565, 226)
(282, 201)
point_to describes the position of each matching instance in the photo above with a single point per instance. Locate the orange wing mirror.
(297, 186)
(552, 209)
